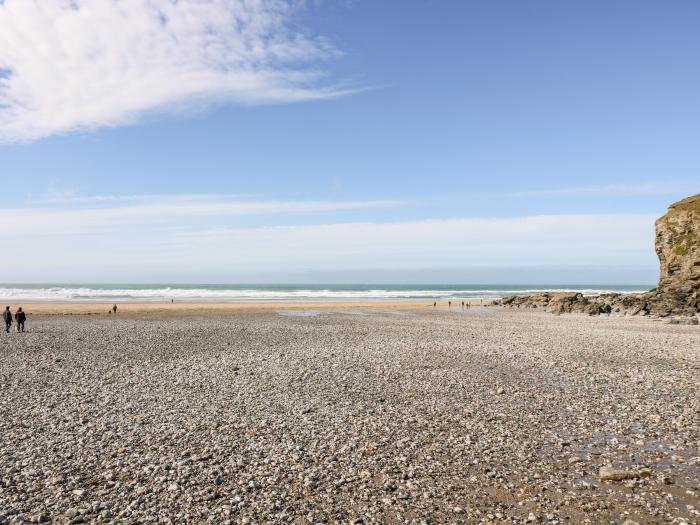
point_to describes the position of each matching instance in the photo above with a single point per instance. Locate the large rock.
(678, 292)
(678, 249)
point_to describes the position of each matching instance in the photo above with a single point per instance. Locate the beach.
(365, 412)
(189, 308)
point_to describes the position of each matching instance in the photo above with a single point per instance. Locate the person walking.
(20, 318)
(7, 316)
(114, 308)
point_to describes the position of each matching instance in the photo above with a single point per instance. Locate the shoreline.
(222, 308)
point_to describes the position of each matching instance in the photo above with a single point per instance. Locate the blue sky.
(231, 143)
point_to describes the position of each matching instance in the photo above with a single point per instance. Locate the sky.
(211, 141)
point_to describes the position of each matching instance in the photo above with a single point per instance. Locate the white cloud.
(77, 215)
(547, 239)
(608, 190)
(117, 248)
(81, 64)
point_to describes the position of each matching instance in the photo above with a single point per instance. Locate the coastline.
(223, 308)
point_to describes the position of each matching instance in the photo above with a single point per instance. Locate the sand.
(224, 308)
(384, 415)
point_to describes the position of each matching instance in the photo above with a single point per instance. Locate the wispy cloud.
(75, 215)
(113, 247)
(81, 64)
(608, 190)
(551, 239)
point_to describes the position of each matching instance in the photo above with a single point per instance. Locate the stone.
(613, 474)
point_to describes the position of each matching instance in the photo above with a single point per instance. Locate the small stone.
(458, 510)
(613, 474)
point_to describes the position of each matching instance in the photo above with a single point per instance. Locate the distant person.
(462, 305)
(7, 316)
(20, 318)
(434, 304)
(114, 308)
(449, 304)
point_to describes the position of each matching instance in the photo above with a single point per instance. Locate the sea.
(286, 292)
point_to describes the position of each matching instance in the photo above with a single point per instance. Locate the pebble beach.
(350, 416)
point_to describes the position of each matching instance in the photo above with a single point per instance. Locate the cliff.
(678, 245)
(677, 294)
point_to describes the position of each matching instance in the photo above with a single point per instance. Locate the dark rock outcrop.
(678, 292)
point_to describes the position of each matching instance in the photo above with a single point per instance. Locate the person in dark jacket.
(7, 317)
(20, 318)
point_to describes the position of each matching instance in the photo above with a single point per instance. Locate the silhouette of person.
(114, 308)
(20, 318)
(7, 317)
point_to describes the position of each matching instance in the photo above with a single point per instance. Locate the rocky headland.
(677, 295)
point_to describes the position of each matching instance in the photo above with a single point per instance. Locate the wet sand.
(223, 308)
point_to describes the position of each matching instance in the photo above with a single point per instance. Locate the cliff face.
(678, 292)
(678, 245)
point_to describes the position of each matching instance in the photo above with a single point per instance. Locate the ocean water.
(284, 292)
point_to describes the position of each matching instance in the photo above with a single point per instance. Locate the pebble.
(373, 418)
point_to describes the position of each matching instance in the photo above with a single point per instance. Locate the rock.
(613, 474)
(677, 294)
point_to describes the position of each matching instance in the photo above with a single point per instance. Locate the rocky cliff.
(678, 292)
(678, 246)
